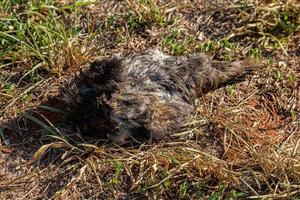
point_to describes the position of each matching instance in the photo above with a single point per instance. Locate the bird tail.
(212, 75)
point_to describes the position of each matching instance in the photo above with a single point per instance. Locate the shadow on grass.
(43, 149)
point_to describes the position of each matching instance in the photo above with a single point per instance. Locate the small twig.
(296, 147)
(251, 188)
(272, 196)
(21, 95)
(6, 95)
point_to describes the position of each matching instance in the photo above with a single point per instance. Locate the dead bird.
(146, 94)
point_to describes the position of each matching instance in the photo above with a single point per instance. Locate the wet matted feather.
(146, 94)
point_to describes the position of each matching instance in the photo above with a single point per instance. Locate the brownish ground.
(242, 143)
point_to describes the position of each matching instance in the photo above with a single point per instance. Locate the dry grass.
(243, 141)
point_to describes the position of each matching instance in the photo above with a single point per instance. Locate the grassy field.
(242, 143)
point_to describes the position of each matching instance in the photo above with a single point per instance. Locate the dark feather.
(149, 93)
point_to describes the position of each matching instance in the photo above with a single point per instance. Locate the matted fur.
(148, 93)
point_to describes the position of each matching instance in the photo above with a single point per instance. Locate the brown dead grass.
(242, 141)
